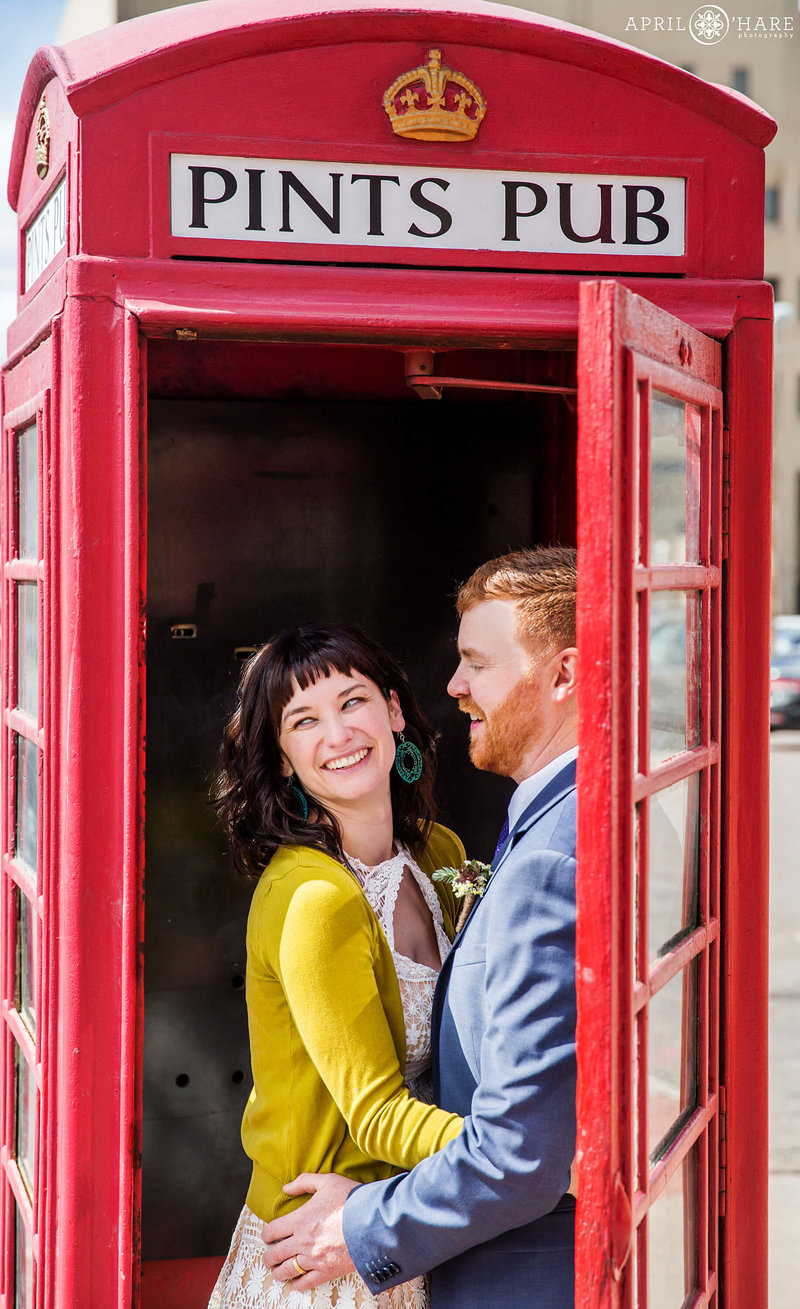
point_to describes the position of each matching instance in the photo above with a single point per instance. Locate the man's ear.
(565, 675)
(396, 719)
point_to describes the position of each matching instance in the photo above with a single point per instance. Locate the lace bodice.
(381, 885)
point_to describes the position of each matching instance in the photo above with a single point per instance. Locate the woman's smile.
(348, 761)
(341, 727)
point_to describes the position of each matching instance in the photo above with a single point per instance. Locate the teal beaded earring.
(299, 796)
(408, 760)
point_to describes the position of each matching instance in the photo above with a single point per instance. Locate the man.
(489, 1214)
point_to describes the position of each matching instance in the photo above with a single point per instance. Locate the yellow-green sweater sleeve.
(326, 960)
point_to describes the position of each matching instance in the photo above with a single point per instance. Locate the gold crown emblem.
(42, 147)
(434, 103)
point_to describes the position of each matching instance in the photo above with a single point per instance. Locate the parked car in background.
(786, 635)
(784, 691)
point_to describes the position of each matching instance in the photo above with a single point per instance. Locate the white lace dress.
(245, 1282)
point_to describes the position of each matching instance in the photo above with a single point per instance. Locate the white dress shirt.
(531, 786)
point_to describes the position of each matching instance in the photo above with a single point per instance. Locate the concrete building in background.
(753, 48)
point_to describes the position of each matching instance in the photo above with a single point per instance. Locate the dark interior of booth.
(292, 482)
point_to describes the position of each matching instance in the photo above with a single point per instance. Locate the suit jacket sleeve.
(510, 1165)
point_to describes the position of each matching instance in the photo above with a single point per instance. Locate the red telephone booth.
(318, 308)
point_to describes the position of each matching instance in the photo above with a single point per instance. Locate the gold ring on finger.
(301, 1271)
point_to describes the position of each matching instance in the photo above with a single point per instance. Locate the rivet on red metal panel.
(420, 365)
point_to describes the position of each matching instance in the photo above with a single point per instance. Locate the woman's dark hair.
(256, 805)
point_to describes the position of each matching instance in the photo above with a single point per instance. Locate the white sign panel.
(46, 235)
(309, 202)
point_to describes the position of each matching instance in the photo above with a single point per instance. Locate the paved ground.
(784, 1008)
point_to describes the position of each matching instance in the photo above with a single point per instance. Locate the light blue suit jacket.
(489, 1213)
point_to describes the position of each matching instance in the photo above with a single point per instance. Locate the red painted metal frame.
(81, 338)
(103, 402)
(101, 572)
(35, 1049)
(702, 580)
(214, 59)
(745, 765)
(625, 347)
(414, 308)
(104, 69)
(135, 595)
(91, 724)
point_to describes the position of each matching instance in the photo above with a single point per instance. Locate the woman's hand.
(312, 1234)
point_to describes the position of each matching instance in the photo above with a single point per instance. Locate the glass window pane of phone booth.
(26, 960)
(22, 880)
(674, 658)
(674, 481)
(672, 1239)
(27, 802)
(24, 1267)
(674, 848)
(27, 493)
(28, 648)
(25, 1152)
(285, 485)
(672, 1059)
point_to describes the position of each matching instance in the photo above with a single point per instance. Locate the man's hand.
(312, 1234)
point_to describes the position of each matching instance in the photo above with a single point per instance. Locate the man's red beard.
(503, 740)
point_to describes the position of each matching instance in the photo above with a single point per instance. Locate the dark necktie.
(503, 837)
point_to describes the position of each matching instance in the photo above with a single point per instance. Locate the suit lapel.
(556, 790)
(550, 795)
(439, 994)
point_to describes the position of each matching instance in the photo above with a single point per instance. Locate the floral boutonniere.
(468, 883)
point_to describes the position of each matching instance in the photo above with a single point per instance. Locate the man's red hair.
(543, 585)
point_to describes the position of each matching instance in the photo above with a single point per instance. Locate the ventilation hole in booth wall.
(238, 1076)
(237, 981)
(182, 1079)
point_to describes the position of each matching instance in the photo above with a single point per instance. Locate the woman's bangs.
(305, 662)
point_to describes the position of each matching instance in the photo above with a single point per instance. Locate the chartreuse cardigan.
(327, 1037)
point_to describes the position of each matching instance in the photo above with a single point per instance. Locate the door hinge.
(722, 1114)
(726, 488)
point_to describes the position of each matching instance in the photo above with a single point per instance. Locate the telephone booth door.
(651, 1097)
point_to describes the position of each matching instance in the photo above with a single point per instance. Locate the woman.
(326, 793)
